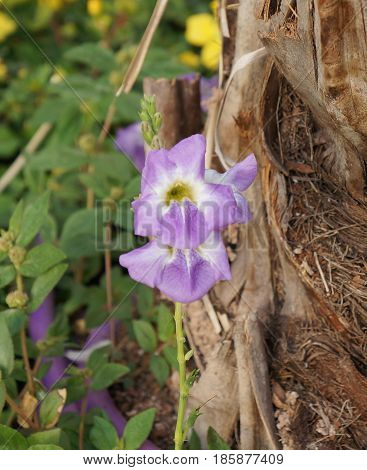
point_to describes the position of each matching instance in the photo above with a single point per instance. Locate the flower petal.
(187, 277)
(189, 156)
(157, 172)
(219, 207)
(214, 251)
(240, 176)
(183, 226)
(145, 264)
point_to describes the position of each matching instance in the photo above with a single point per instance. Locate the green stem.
(180, 338)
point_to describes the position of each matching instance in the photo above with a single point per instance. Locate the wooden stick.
(139, 57)
(20, 161)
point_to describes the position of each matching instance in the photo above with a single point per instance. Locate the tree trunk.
(292, 364)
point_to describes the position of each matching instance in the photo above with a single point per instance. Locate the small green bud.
(157, 120)
(189, 355)
(156, 143)
(116, 193)
(6, 241)
(16, 299)
(87, 143)
(17, 255)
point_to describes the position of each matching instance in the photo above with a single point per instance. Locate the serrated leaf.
(7, 275)
(6, 348)
(215, 442)
(103, 434)
(15, 319)
(44, 284)
(82, 233)
(56, 156)
(138, 429)
(159, 368)
(15, 221)
(51, 408)
(41, 258)
(33, 218)
(10, 439)
(166, 324)
(107, 374)
(145, 335)
(52, 436)
(92, 54)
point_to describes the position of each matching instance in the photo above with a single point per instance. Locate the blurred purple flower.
(130, 141)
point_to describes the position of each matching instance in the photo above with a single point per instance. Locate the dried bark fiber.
(297, 301)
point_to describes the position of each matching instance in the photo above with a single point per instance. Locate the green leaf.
(166, 324)
(41, 258)
(51, 408)
(10, 439)
(15, 319)
(6, 348)
(45, 447)
(82, 233)
(103, 434)
(52, 436)
(15, 221)
(138, 429)
(97, 57)
(145, 335)
(33, 218)
(160, 369)
(98, 359)
(194, 441)
(7, 275)
(55, 156)
(2, 395)
(170, 353)
(44, 284)
(9, 141)
(215, 442)
(107, 374)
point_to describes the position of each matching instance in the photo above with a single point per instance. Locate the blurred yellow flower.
(7, 26)
(94, 7)
(200, 29)
(210, 54)
(3, 71)
(190, 58)
(53, 5)
(214, 6)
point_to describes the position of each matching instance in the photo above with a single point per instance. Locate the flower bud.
(87, 143)
(17, 255)
(16, 299)
(157, 119)
(116, 193)
(6, 241)
(156, 143)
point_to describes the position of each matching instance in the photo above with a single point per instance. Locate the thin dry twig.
(20, 161)
(138, 60)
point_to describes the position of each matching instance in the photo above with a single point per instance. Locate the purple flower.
(176, 204)
(239, 178)
(130, 141)
(183, 207)
(183, 275)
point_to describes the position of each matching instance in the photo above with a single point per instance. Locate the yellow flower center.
(178, 192)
